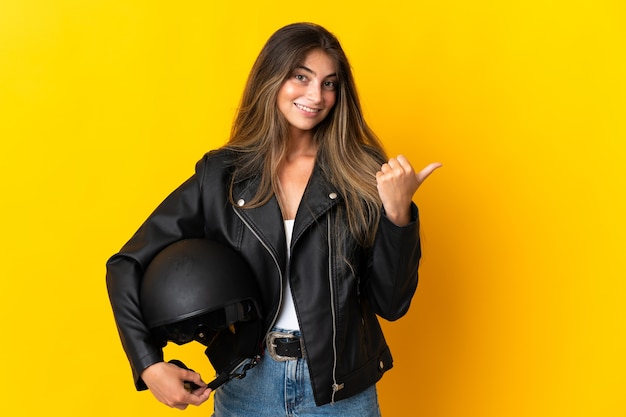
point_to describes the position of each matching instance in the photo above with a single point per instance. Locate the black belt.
(284, 346)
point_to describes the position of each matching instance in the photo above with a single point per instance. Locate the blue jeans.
(273, 389)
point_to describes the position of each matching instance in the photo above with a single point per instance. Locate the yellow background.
(105, 106)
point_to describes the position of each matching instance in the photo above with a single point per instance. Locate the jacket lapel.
(267, 221)
(319, 197)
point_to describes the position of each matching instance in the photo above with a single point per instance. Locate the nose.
(314, 93)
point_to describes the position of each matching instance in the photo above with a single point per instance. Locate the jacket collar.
(318, 198)
(267, 221)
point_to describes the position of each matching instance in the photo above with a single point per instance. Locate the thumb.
(425, 173)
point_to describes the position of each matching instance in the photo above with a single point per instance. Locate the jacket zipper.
(280, 273)
(336, 387)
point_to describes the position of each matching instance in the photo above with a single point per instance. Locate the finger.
(424, 173)
(202, 391)
(385, 168)
(194, 377)
(392, 167)
(393, 163)
(404, 163)
(199, 396)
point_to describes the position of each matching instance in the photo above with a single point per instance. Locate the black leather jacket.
(336, 303)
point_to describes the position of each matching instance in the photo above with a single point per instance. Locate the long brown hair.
(349, 152)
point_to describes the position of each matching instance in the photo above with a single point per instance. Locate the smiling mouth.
(307, 109)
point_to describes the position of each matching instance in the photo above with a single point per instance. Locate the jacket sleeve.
(178, 217)
(392, 275)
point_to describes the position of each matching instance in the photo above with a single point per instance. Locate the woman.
(304, 192)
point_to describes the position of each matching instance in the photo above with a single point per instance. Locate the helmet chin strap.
(220, 353)
(220, 380)
(239, 371)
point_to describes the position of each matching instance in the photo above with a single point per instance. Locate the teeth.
(307, 109)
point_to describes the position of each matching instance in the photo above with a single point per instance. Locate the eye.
(300, 77)
(330, 85)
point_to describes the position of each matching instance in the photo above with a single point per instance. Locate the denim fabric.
(274, 389)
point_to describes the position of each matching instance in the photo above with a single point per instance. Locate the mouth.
(307, 109)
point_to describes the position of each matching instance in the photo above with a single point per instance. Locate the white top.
(287, 319)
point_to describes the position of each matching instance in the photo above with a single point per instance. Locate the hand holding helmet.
(168, 383)
(196, 289)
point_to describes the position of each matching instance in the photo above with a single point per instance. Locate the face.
(309, 93)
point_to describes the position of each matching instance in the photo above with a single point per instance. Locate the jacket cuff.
(145, 362)
(413, 219)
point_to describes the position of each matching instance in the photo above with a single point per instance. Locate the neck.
(301, 145)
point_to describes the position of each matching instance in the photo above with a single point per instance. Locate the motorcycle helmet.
(197, 289)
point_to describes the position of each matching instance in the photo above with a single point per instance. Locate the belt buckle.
(271, 345)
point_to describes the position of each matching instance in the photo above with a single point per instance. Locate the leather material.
(336, 303)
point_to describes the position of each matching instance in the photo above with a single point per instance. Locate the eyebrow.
(309, 70)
